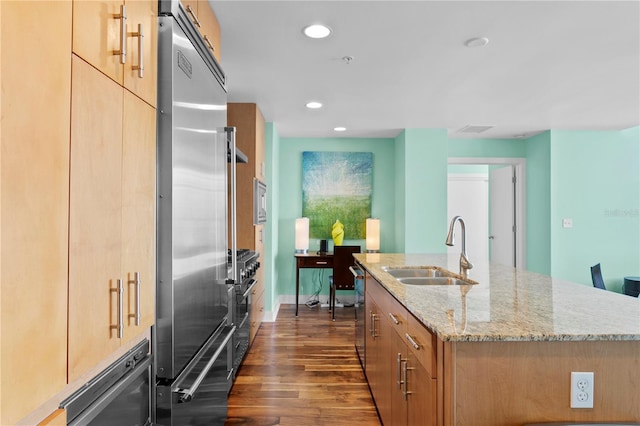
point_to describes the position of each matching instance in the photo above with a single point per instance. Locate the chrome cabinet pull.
(120, 325)
(209, 44)
(405, 392)
(136, 281)
(394, 319)
(399, 362)
(321, 263)
(140, 66)
(193, 16)
(123, 34)
(374, 318)
(413, 342)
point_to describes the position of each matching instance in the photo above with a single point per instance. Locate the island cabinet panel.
(513, 383)
(400, 360)
(34, 202)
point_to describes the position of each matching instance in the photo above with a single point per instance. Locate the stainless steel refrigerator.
(193, 333)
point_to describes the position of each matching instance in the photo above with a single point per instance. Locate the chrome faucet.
(465, 264)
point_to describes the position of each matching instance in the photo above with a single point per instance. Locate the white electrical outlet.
(567, 223)
(581, 389)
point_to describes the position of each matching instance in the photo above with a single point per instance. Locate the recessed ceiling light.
(317, 31)
(339, 129)
(476, 42)
(314, 105)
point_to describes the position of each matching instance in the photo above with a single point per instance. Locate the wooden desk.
(311, 260)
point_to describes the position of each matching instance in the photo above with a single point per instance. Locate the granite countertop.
(508, 304)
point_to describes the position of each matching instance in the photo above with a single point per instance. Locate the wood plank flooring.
(303, 371)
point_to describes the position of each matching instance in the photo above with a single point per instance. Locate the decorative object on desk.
(302, 235)
(373, 235)
(324, 247)
(337, 233)
(337, 185)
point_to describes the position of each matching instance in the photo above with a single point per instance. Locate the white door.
(467, 196)
(502, 231)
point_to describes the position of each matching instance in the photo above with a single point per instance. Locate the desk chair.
(342, 278)
(596, 277)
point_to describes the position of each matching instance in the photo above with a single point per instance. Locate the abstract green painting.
(337, 186)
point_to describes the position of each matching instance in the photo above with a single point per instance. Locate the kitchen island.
(500, 351)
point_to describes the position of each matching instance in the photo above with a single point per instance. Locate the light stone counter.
(508, 304)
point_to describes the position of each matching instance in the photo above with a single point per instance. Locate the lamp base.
(301, 251)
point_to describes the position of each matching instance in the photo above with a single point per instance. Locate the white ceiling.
(548, 65)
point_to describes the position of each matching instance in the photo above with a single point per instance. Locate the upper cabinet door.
(142, 15)
(106, 34)
(209, 27)
(98, 35)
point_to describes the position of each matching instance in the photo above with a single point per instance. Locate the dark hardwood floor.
(303, 371)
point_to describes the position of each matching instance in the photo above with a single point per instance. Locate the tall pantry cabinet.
(249, 123)
(112, 181)
(34, 196)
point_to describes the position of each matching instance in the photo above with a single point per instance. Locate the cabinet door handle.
(209, 44)
(413, 342)
(120, 325)
(321, 263)
(136, 281)
(405, 380)
(140, 66)
(399, 379)
(123, 34)
(394, 319)
(193, 16)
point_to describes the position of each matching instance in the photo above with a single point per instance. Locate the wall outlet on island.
(581, 389)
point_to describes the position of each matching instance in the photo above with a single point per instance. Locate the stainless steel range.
(247, 266)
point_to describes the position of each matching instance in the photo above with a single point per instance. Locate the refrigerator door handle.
(186, 395)
(230, 133)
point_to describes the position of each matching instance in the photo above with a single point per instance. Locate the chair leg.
(333, 302)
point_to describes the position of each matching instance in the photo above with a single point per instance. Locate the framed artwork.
(337, 186)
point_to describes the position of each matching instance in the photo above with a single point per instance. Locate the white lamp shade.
(302, 235)
(373, 235)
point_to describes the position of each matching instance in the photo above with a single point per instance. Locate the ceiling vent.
(474, 129)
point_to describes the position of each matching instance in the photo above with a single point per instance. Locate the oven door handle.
(251, 286)
(186, 395)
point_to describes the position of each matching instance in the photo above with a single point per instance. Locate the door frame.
(519, 164)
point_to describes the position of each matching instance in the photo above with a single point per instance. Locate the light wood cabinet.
(400, 361)
(205, 20)
(111, 216)
(103, 30)
(249, 123)
(57, 418)
(34, 194)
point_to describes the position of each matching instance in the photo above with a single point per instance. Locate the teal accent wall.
(272, 160)
(591, 177)
(595, 181)
(290, 203)
(399, 199)
(424, 207)
(538, 149)
(510, 148)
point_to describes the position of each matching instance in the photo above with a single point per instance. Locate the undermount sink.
(434, 281)
(416, 272)
(426, 275)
